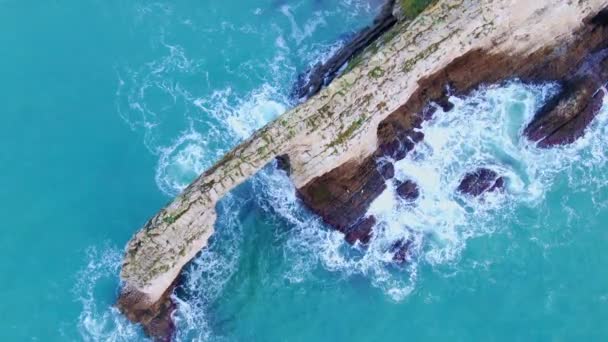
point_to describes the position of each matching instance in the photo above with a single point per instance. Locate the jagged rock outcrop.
(361, 231)
(408, 191)
(337, 141)
(401, 250)
(558, 59)
(479, 181)
(563, 118)
(322, 74)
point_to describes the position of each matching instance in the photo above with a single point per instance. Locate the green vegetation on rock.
(411, 8)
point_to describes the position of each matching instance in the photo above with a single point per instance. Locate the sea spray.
(483, 129)
(191, 102)
(208, 274)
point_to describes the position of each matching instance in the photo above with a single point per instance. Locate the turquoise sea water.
(111, 107)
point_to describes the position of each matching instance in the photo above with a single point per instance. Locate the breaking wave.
(95, 289)
(191, 104)
(188, 123)
(483, 130)
(186, 117)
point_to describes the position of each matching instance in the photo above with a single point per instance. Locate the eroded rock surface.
(564, 118)
(342, 196)
(408, 191)
(387, 170)
(479, 181)
(323, 73)
(401, 250)
(156, 319)
(361, 231)
(334, 141)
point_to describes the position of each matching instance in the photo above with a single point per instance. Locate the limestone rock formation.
(323, 73)
(335, 142)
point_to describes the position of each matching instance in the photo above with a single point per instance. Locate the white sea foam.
(483, 130)
(181, 162)
(227, 123)
(95, 288)
(208, 274)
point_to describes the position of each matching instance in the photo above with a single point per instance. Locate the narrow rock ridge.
(577, 59)
(322, 74)
(331, 143)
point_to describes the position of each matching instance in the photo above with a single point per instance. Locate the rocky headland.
(338, 145)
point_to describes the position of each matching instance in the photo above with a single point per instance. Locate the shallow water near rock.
(111, 107)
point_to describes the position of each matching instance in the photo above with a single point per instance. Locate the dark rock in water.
(400, 250)
(401, 145)
(564, 118)
(480, 181)
(445, 104)
(394, 149)
(156, 320)
(361, 231)
(162, 327)
(283, 163)
(342, 196)
(323, 73)
(387, 170)
(416, 136)
(396, 138)
(408, 190)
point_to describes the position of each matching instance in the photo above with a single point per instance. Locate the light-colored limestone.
(340, 123)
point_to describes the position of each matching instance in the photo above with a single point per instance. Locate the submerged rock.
(408, 190)
(401, 250)
(480, 181)
(361, 231)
